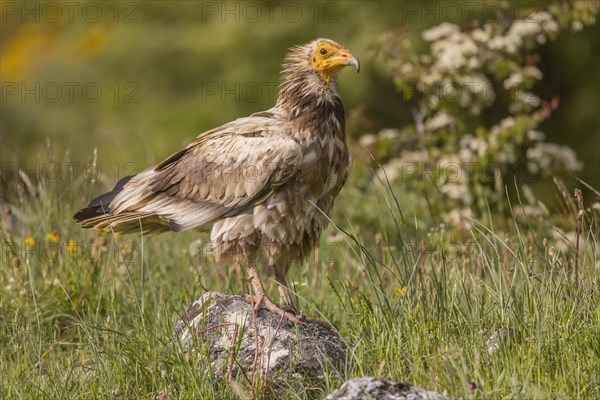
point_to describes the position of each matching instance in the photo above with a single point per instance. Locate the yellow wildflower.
(53, 237)
(401, 292)
(29, 242)
(72, 246)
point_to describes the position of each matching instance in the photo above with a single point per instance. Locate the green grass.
(414, 307)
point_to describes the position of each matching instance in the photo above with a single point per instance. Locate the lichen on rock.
(264, 345)
(370, 388)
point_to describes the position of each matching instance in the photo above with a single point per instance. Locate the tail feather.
(145, 201)
(98, 214)
(127, 222)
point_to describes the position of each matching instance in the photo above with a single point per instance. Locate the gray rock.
(369, 388)
(273, 349)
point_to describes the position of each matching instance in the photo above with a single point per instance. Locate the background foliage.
(169, 73)
(420, 270)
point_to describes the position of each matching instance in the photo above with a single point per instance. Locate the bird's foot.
(291, 308)
(287, 311)
(263, 302)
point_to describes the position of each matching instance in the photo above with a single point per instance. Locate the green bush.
(476, 119)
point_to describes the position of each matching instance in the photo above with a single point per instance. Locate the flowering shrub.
(449, 149)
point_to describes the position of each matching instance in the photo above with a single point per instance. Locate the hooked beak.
(346, 59)
(331, 65)
(354, 63)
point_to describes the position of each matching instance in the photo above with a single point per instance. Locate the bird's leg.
(284, 292)
(238, 274)
(260, 298)
(257, 293)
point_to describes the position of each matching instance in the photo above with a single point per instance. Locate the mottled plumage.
(262, 184)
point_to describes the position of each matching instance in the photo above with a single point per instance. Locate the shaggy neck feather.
(301, 85)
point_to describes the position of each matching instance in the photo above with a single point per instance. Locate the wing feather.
(222, 173)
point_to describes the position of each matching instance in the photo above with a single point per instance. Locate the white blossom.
(407, 166)
(368, 140)
(432, 78)
(473, 63)
(513, 80)
(517, 77)
(535, 135)
(459, 218)
(453, 179)
(546, 21)
(442, 30)
(417, 156)
(504, 43)
(440, 120)
(480, 35)
(471, 145)
(546, 155)
(390, 171)
(456, 191)
(466, 155)
(523, 28)
(407, 68)
(533, 71)
(507, 122)
(535, 26)
(388, 134)
(434, 100)
(454, 51)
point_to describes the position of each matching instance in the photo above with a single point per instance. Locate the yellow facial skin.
(329, 58)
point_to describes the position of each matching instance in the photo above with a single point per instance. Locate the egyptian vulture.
(263, 185)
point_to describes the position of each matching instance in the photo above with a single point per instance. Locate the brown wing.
(221, 174)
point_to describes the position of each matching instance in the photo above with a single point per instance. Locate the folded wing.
(224, 172)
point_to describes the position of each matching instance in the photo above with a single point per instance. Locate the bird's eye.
(323, 51)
